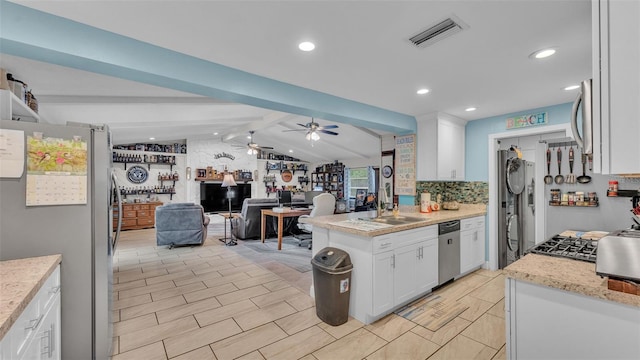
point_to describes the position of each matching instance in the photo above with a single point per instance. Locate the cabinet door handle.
(47, 349)
(54, 289)
(385, 244)
(33, 324)
(393, 261)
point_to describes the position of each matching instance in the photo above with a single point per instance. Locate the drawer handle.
(55, 289)
(33, 324)
(385, 244)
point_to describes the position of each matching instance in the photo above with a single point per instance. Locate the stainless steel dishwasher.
(448, 251)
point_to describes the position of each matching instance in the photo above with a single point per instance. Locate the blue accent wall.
(478, 131)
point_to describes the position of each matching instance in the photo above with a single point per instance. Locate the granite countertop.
(20, 280)
(332, 221)
(566, 274)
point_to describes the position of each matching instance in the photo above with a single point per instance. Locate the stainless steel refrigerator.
(81, 232)
(516, 206)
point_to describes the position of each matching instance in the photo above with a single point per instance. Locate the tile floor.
(208, 302)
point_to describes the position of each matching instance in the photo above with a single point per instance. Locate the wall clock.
(387, 171)
(287, 176)
(137, 174)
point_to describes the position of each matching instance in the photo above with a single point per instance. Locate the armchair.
(323, 204)
(181, 224)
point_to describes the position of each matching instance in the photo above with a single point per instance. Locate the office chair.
(323, 204)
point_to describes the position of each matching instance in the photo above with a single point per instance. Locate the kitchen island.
(559, 308)
(395, 260)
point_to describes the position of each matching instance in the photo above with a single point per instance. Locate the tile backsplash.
(465, 192)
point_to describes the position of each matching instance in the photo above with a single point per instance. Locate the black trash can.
(332, 283)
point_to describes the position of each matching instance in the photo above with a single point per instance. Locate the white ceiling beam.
(268, 120)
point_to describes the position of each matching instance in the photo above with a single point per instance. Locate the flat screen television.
(284, 197)
(213, 197)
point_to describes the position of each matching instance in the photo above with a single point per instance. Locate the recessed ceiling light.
(290, 150)
(541, 54)
(249, 137)
(306, 46)
(572, 87)
(470, 109)
(215, 133)
(422, 91)
(152, 138)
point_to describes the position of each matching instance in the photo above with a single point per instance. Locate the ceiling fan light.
(315, 136)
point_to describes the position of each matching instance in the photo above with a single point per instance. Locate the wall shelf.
(331, 178)
(625, 193)
(572, 206)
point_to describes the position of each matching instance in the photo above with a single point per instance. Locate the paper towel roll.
(425, 202)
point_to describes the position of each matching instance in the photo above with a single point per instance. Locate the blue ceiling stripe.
(37, 35)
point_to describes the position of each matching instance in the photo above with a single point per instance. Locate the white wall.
(181, 184)
(203, 153)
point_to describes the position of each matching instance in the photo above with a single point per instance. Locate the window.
(358, 180)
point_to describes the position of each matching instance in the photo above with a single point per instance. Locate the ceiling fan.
(313, 128)
(253, 148)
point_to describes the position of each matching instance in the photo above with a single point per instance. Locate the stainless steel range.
(568, 247)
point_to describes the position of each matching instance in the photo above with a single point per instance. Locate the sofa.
(181, 224)
(247, 225)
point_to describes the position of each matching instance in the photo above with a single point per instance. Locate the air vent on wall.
(443, 29)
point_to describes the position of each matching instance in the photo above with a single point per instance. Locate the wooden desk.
(280, 216)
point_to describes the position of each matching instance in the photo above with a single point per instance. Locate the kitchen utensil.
(584, 179)
(548, 179)
(571, 179)
(559, 178)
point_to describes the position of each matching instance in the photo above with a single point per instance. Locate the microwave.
(584, 140)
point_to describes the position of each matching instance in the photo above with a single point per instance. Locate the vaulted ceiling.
(363, 67)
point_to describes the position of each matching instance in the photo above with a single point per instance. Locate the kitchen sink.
(395, 220)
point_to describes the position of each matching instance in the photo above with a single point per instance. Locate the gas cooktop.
(568, 247)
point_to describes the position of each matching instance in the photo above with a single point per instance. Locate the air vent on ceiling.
(441, 30)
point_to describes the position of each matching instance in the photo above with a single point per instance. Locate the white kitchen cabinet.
(472, 244)
(36, 333)
(440, 147)
(616, 86)
(427, 265)
(12, 107)
(547, 323)
(383, 282)
(406, 271)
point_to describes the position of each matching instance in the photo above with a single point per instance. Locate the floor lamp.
(228, 182)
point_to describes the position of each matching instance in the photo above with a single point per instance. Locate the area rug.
(432, 311)
(291, 255)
